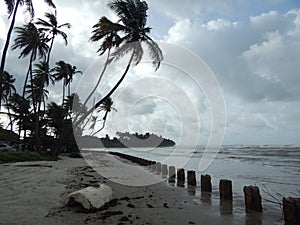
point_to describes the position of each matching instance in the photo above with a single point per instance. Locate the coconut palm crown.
(128, 33)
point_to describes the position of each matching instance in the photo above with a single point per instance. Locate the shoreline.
(34, 194)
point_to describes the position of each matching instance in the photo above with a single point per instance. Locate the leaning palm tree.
(52, 28)
(126, 35)
(12, 8)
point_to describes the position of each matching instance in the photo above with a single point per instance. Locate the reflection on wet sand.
(206, 197)
(225, 207)
(191, 190)
(253, 218)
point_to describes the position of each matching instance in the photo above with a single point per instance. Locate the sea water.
(274, 169)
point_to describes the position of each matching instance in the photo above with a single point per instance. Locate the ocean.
(274, 169)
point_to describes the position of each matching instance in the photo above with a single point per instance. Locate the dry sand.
(32, 193)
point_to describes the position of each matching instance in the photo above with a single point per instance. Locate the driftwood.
(90, 197)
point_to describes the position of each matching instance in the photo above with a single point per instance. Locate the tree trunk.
(99, 80)
(68, 131)
(5, 49)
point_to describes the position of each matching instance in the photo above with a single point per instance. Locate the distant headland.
(125, 140)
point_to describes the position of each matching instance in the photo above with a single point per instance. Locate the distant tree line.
(126, 140)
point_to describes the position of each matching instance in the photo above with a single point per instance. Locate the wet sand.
(33, 193)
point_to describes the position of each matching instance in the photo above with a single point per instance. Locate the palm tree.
(52, 28)
(42, 71)
(124, 36)
(12, 8)
(65, 72)
(34, 43)
(56, 117)
(8, 89)
(42, 77)
(34, 92)
(127, 35)
(72, 71)
(107, 107)
(21, 108)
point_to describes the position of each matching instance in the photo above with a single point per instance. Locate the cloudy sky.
(247, 54)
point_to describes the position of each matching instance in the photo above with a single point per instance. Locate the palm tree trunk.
(69, 89)
(64, 91)
(68, 131)
(44, 76)
(103, 124)
(10, 119)
(5, 49)
(100, 78)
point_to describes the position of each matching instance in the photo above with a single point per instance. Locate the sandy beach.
(33, 193)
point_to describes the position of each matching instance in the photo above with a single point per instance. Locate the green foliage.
(7, 135)
(14, 156)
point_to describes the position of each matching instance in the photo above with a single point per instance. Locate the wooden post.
(164, 169)
(225, 188)
(206, 183)
(158, 167)
(153, 166)
(252, 199)
(191, 178)
(172, 174)
(291, 211)
(180, 177)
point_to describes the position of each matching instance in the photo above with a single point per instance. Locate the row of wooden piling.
(291, 206)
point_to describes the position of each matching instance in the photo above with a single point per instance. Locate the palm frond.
(155, 52)
(10, 4)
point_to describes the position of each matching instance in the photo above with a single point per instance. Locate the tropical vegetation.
(37, 121)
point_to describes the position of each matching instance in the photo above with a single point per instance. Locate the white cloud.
(255, 58)
(179, 30)
(218, 24)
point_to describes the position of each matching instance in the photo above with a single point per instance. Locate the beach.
(33, 193)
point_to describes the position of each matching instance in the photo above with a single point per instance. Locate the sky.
(230, 74)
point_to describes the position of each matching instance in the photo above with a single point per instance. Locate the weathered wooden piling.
(291, 211)
(206, 183)
(164, 170)
(191, 178)
(180, 176)
(158, 167)
(172, 173)
(252, 199)
(225, 188)
(153, 166)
